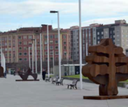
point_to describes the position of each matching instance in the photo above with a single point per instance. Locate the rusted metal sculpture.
(24, 76)
(107, 65)
(1, 72)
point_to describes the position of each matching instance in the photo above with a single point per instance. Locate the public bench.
(59, 81)
(73, 84)
(47, 79)
(55, 79)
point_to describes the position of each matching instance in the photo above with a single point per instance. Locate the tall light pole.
(58, 42)
(32, 57)
(53, 61)
(40, 52)
(35, 56)
(29, 57)
(48, 49)
(80, 45)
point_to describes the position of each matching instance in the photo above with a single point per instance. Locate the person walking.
(43, 74)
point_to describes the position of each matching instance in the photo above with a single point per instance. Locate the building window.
(20, 53)
(10, 49)
(25, 37)
(30, 37)
(51, 52)
(56, 47)
(25, 48)
(5, 49)
(56, 53)
(64, 47)
(64, 36)
(65, 53)
(19, 37)
(38, 48)
(25, 43)
(51, 47)
(56, 36)
(20, 59)
(51, 36)
(25, 53)
(51, 41)
(20, 43)
(45, 47)
(45, 37)
(45, 42)
(20, 48)
(13, 48)
(56, 42)
(25, 59)
(45, 53)
(9, 43)
(64, 42)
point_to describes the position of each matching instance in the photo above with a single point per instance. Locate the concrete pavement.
(45, 94)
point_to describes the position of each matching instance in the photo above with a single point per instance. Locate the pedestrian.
(43, 74)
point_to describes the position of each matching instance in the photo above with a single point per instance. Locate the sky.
(15, 14)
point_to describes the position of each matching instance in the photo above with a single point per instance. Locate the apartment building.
(88, 34)
(118, 32)
(15, 43)
(65, 45)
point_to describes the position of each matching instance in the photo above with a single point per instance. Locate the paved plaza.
(45, 94)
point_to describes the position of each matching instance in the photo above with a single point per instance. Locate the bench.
(47, 79)
(73, 85)
(55, 79)
(59, 81)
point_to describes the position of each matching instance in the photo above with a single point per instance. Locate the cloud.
(93, 11)
(30, 8)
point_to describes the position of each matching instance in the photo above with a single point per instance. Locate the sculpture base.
(28, 80)
(105, 97)
(2, 77)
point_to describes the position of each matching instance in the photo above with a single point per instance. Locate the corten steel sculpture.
(1, 72)
(25, 75)
(107, 65)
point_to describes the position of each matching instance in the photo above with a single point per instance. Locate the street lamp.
(29, 57)
(58, 42)
(80, 45)
(48, 64)
(33, 56)
(40, 52)
(48, 48)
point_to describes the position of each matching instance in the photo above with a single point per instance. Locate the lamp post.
(48, 48)
(29, 57)
(40, 52)
(80, 45)
(53, 60)
(58, 42)
(35, 57)
(32, 58)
